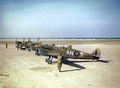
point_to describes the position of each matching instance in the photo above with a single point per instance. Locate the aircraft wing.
(57, 54)
(53, 54)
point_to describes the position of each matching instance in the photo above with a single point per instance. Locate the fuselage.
(54, 51)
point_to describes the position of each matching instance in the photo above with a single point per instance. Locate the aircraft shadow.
(75, 61)
(103, 61)
(79, 67)
(71, 63)
(67, 61)
(40, 68)
(70, 70)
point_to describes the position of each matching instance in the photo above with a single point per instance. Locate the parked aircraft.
(26, 45)
(53, 51)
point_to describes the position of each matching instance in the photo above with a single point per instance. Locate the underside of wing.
(53, 54)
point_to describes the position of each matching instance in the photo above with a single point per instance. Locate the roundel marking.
(76, 53)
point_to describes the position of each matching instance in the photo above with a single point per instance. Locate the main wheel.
(49, 62)
(29, 49)
(36, 53)
(46, 59)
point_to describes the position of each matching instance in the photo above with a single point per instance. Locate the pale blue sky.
(59, 18)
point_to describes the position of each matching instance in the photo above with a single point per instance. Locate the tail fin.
(37, 41)
(97, 53)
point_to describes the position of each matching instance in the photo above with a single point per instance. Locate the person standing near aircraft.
(59, 65)
(6, 45)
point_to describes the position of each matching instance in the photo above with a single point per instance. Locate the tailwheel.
(47, 59)
(95, 60)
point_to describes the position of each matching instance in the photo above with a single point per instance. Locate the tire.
(36, 53)
(28, 49)
(49, 62)
(46, 60)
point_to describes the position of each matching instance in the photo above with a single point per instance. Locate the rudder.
(97, 53)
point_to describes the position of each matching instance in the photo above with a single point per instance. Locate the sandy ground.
(22, 69)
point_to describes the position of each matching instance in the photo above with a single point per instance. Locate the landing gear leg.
(18, 46)
(37, 52)
(49, 60)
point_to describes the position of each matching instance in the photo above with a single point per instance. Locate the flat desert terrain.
(23, 69)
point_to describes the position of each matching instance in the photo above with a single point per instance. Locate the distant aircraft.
(26, 45)
(53, 51)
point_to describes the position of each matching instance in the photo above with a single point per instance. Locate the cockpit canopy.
(66, 48)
